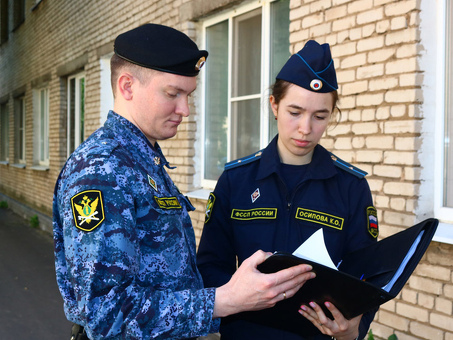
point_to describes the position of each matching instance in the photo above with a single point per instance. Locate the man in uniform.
(124, 243)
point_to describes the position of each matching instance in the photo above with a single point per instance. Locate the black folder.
(357, 286)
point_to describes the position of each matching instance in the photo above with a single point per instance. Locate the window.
(76, 112)
(18, 13)
(247, 47)
(19, 130)
(3, 21)
(4, 133)
(41, 127)
(447, 200)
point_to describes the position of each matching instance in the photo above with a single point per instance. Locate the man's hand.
(251, 290)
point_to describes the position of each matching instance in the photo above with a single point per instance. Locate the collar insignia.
(156, 160)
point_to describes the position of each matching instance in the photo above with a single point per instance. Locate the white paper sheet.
(314, 249)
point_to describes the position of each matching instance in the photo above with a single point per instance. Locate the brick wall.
(376, 48)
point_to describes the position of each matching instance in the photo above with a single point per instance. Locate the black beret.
(311, 68)
(161, 48)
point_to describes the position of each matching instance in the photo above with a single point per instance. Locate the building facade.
(394, 65)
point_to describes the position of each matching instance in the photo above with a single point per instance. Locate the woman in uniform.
(277, 198)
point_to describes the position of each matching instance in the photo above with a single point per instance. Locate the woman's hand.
(340, 328)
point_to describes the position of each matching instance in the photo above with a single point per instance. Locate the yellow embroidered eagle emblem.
(88, 209)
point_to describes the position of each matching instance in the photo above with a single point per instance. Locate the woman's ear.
(274, 105)
(124, 86)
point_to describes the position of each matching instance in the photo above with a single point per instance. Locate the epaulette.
(244, 160)
(347, 167)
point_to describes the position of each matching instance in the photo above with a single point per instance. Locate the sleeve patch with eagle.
(88, 209)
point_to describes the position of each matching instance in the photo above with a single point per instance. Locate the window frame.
(4, 134)
(20, 130)
(442, 212)
(41, 133)
(77, 138)
(229, 15)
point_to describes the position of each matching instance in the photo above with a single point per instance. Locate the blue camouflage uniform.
(124, 242)
(251, 208)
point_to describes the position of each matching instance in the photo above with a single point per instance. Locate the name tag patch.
(167, 202)
(254, 214)
(320, 218)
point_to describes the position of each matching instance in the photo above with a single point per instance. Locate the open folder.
(365, 278)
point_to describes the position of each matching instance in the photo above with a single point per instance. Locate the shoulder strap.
(347, 167)
(243, 160)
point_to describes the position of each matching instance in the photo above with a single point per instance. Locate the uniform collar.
(134, 136)
(320, 167)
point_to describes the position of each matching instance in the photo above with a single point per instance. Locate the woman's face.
(302, 117)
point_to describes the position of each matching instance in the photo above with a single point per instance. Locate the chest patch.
(88, 209)
(254, 214)
(167, 202)
(320, 218)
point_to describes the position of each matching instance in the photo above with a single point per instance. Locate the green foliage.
(371, 336)
(34, 221)
(3, 204)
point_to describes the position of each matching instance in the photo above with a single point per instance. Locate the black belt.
(78, 333)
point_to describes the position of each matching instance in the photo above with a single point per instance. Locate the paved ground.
(30, 303)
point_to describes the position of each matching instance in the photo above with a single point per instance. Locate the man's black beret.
(311, 68)
(161, 48)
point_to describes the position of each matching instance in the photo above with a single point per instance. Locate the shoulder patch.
(88, 209)
(372, 221)
(209, 207)
(243, 160)
(347, 167)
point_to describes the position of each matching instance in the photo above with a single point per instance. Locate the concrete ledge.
(45, 221)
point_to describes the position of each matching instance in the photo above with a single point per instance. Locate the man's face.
(160, 103)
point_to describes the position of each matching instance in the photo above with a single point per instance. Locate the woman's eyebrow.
(300, 108)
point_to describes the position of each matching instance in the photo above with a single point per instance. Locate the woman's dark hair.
(280, 88)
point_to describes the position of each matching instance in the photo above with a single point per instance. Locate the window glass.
(19, 132)
(43, 126)
(216, 104)
(448, 137)
(247, 47)
(3, 21)
(4, 133)
(76, 112)
(279, 53)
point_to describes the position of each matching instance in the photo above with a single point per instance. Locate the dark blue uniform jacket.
(251, 208)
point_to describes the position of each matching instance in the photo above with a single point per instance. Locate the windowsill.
(202, 194)
(18, 165)
(40, 167)
(444, 233)
(4, 162)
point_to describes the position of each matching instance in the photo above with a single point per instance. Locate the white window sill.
(444, 233)
(18, 165)
(4, 162)
(202, 194)
(40, 167)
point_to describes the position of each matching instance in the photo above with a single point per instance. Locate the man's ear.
(124, 85)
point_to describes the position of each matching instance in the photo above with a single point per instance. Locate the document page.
(403, 264)
(314, 249)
